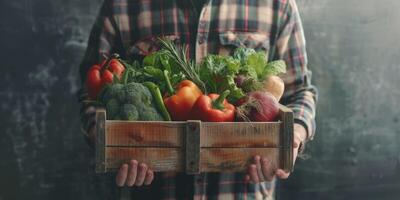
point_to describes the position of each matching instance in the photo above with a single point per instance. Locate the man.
(131, 28)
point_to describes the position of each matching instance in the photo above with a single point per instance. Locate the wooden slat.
(240, 134)
(142, 134)
(158, 159)
(100, 141)
(192, 147)
(223, 147)
(234, 159)
(286, 139)
(169, 159)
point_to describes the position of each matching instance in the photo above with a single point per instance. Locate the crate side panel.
(234, 159)
(158, 159)
(240, 134)
(145, 134)
(287, 137)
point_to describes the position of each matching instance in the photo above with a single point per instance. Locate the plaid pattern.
(131, 28)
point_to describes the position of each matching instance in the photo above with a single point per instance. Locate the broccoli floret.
(112, 109)
(136, 93)
(149, 113)
(132, 101)
(129, 112)
(110, 92)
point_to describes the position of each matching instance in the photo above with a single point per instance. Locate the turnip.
(275, 86)
(259, 106)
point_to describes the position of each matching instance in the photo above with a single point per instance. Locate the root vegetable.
(275, 86)
(259, 106)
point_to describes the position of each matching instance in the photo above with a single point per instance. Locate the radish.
(259, 106)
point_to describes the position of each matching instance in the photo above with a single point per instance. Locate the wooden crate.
(193, 146)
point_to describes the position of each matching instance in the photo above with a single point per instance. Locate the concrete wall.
(354, 52)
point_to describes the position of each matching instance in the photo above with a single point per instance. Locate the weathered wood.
(170, 134)
(234, 159)
(142, 134)
(170, 159)
(286, 138)
(240, 134)
(158, 159)
(192, 147)
(100, 141)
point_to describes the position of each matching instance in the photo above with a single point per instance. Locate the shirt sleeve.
(103, 40)
(300, 95)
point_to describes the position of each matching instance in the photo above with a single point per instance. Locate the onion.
(260, 106)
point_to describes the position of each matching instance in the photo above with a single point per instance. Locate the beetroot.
(259, 106)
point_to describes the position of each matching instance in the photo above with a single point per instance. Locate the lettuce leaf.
(218, 72)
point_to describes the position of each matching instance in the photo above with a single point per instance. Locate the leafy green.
(255, 65)
(275, 68)
(257, 61)
(218, 72)
(242, 53)
(153, 72)
(154, 66)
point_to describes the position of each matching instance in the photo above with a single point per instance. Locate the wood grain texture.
(195, 146)
(234, 159)
(286, 138)
(100, 141)
(170, 159)
(158, 159)
(142, 134)
(240, 134)
(192, 147)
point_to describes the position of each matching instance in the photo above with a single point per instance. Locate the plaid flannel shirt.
(131, 28)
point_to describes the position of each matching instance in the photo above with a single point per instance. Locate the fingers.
(247, 178)
(258, 167)
(253, 173)
(141, 174)
(132, 173)
(149, 177)
(282, 174)
(260, 170)
(267, 169)
(121, 175)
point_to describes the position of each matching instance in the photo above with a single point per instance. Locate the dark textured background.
(354, 50)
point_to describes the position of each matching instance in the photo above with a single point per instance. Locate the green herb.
(178, 54)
